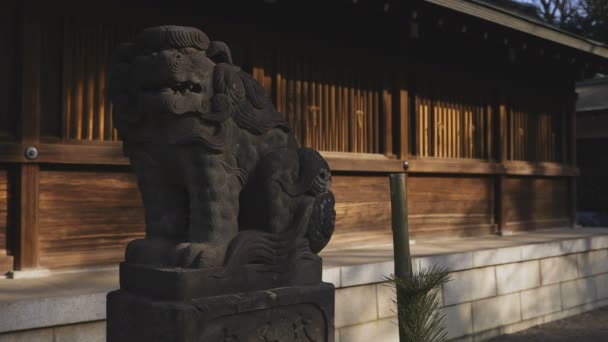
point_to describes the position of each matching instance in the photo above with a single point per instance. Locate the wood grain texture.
(362, 204)
(535, 202)
(456, 206)
(28, 245)
(87, 217)
(6, 259)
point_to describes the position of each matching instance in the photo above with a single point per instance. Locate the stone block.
(523, 325)
(496, 311)
(541, 250)
(486, 335)
(90, 332)
(575, 246)
(355, 305)
(558, 269)
(517, 276)
(386, 297)
(599, 242)
(578, 292)
(285, 314)
(469, 285)
(594, 262)
(453, 262)
(601, 286)
(332, 275)
(462, 339)
(458, 320)
(44, 312)
(366, 274)
(385, 330)
(496, 256)
(35, 335)
(541, 301)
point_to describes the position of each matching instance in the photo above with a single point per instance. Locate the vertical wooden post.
(29, 134)
(572, 151)
(27, 200)
(501, 151)
(401, 239)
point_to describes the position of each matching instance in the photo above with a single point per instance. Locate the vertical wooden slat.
(352, 115)
(326, 115)
(306, 105)
(490, 132)
(298, 101)
(404, 121)
(67, 82)
(418, 125)
(370, 118)
(334, 124)
(436, 129)
(279, 83)
(91, 65)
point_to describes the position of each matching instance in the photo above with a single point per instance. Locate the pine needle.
(419, 309)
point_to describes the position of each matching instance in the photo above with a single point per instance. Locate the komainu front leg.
(214, 206)
(166, 213)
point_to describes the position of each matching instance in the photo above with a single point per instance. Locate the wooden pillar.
(27, 200)
(570, 130)
(29, 135)
(501, 155)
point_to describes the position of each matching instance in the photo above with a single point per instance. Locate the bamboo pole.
(401, 245)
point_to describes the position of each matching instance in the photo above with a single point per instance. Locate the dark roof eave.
(527, 25)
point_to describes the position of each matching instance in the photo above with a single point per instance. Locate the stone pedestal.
(297, 313)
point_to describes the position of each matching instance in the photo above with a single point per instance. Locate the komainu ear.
(219, 52)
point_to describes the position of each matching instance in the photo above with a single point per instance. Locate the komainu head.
(172, 72)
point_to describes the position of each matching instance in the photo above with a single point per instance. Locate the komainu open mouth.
(175, 87)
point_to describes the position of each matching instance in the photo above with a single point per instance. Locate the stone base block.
(303, 313)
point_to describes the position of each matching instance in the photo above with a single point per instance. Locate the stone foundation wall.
(492, 292)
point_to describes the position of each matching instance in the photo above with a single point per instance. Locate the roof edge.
(509, 19)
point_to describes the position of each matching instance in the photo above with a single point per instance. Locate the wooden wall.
(370, 96)
(362, 206)
(536, 203)
(87, 217)
(450, 205)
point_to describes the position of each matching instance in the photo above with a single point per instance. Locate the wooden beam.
(362, 162)
(524, 168)
(28, 246)
(454, 166)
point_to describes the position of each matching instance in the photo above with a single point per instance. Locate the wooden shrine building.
(479, 100)
(592, 142)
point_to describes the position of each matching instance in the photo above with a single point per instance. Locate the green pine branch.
(418, 306)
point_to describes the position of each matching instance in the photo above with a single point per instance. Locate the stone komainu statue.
(223, 181)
